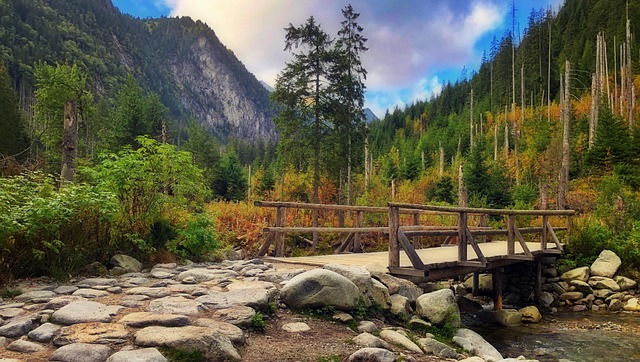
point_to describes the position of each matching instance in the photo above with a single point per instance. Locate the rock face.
(439, 307)
(606, 265)
(474, 343)
(318, 288)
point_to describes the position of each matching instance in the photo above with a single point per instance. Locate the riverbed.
(583, 336)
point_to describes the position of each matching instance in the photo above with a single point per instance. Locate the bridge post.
(537, 288)
(462, 236)
(496, 279)
(357, 247)
(416, 239)
(394, 247)
(511, 235)
(476, 284)
(279, 238)
(543, 235)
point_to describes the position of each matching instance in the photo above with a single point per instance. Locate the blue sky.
(415, 46)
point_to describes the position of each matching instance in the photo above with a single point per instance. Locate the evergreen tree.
(11, 121)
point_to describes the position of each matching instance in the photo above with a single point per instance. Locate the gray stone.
(17, 327)
(127, 263)
(3, 341)
(175, 305)
(145, 319)
(95, 333)
(36, 296)
(84, 312)
(373, 292)
(508, 317)
(159, 274)
(59, 302)
(23, 346)
(400, 306)
(632, 305)
(369, 340)
(200, 275)
(342, 317)
(581, 286)
(439, 307)
(150, 292)
(367, 326)
(571, 296)
(166, 266)
(603, 293)
(530, 314)
(296, 327)
(625, 283)
(398, 286)
(44, 333)
(372, 355)
(418, 323)
(237, 285)
(10, 312)
(239, 316)
(138, 355)
(214, 345)
(257, 298)
(275, 276)
(598, 282)
(474, 343)
(318, 288)
(65, 289)
(11, 305)
(235, 334)
(615, 305)
(94, 282)
(606, 265)
(398, 339)
(81, 352)
(439, 349)
(468, 305)
(89, 293)
(581, 273)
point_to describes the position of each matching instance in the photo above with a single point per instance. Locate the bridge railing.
(398, 235)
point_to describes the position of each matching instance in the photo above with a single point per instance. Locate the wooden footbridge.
(464, 250)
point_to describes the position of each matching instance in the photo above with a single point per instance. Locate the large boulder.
(400, 306)
(581, 273)
(374, 292)
(625, 283)
(530, 314)
(439, 307)
(398, 286)
(604, 283)
(606, 265)
(508, 317)
(474, 343)
(318, 288)
(214, 345)
(127, 263)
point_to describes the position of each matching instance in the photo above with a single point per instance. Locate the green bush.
(195, 240)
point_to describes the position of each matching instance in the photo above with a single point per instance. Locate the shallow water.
(572, 336)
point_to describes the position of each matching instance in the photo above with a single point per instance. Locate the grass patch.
(258, 323)
(442, 334)
(10, 293)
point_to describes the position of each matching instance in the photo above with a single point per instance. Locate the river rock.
(175, 305)
(16, 327)
(200, 275)
(296, 327)
(318, 288)
(571, 296)
(89, 293)
(23, 346)
(81, 352)
(581, 286)
(138, 355)
(603, 283)
(625, 283)
(398, 286)
(369, 340)
(97, 282)
(235, 334)
(95, 333)
(474, 343)
(546, 299)
(239, 316)
(150, 292)
(400, 306)
(84, 312)
(606, 265)
(7, 313)
(373, 292)
(398, 339)
(145, 319)
(36, 296)
(603, 293)
(632, 305)
(439, 307)
(65, 289)
(615, 305)
(257, 298)
(127, 263)
(581, 273)
(417, 323)
(214, 345)
(508, 317)
(530, 314)
(44, 333)
(367, 326)
(439, 349)
(368, 354)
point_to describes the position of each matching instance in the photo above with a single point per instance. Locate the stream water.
(576, 337)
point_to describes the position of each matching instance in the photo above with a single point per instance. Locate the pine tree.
(11, 122)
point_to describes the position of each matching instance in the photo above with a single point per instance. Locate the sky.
(415, 46)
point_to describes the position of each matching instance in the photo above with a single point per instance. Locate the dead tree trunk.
(471, 122)
(69, 142)
(563, 184)
(629, 81)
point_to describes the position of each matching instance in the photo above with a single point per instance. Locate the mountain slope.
(180, 59)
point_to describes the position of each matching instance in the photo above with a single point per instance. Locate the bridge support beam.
(537, 287)
(496, 277)
(476, 283)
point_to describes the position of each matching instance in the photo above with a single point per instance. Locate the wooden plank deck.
(441, 262)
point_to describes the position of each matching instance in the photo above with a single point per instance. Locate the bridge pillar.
(476, 282)
(496, 277)
(537, 288)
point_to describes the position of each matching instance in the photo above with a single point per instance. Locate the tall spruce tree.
(11, 122)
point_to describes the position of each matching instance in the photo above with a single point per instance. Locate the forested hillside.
(177, 58)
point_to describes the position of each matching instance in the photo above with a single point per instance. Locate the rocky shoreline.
(216, 310)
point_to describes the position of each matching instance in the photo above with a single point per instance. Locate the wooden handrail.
(372, 209)
(472, 210)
